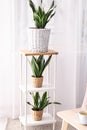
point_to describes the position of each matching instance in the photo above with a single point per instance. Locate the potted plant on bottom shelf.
(38, 65)
(39, 103)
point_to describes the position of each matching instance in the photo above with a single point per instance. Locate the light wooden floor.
(15, 125)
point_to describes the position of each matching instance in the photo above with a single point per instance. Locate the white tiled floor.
(15, 125)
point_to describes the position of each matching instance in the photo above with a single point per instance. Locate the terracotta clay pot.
(37, 115)
(37, 82)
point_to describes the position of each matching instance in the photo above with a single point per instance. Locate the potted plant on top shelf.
(38, 65)
(39, 103)
(39, 35)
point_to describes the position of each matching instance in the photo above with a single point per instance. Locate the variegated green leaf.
(40, 15)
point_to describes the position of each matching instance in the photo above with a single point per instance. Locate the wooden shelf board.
(47, 119)
(29, 53)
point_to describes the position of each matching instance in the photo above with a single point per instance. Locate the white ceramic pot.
(38, 39)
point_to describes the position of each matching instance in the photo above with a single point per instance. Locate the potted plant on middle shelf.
(39, 35)
(38, 65)
(39, 103)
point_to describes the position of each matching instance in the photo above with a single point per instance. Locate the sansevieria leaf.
(40, 102)
(46, 63)
(39, 64)
(32, 5)
(52, 5)
(40, 15)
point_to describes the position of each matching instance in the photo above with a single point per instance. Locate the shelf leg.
(55, 77)
(20, 89)
(54, 94)
(48, 81)
(53, 126)
(25, 128)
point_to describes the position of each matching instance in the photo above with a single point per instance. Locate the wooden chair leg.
(64, 125)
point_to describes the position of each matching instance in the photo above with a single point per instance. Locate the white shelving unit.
(25, 118)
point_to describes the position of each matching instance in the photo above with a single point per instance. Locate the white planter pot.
(38, 39)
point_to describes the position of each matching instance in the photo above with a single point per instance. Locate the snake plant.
(38, 65)
(40, 16)
(40, 102)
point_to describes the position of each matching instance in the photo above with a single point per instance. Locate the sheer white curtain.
(14, 22)
(84, 22)
(15, 18)
(64, 41)
(19, 39)
(22, 19)
(12, 39)
(83, 52)
(5, 59)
